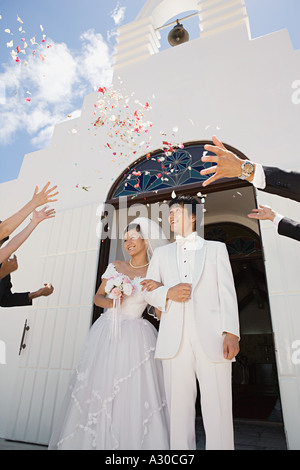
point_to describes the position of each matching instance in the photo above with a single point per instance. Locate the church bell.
(178, 35)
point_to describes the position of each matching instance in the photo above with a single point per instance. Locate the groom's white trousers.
(180, 375)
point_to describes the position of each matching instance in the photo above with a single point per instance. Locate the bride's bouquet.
(117, 286)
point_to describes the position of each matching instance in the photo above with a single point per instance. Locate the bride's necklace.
(136, 267)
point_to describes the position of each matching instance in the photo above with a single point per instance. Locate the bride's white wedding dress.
(115, 399)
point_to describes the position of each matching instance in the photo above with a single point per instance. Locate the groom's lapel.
(172, 262)
(199, 263)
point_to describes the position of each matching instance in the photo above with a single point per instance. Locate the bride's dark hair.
(133, 226)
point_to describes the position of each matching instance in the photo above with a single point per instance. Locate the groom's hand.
(230, 346)
(180, 293)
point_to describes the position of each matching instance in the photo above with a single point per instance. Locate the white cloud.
(56, 80)
(95, 59)
(118, 14)
(43, 137)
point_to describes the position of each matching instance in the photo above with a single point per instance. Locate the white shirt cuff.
(277, 219)
(259, 179)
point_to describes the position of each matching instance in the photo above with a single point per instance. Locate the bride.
(116, 398)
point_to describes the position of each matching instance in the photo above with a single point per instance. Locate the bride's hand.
(150, 285)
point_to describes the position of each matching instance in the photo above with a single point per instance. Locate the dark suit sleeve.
(283, 183)
(289, 228)
(9, 299)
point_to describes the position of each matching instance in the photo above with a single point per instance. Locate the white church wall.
(223, 84)
(63, 251)
(282, 259)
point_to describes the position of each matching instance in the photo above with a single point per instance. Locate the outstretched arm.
(38, 199)
(286, 227)
(48, 289)
(18, 240)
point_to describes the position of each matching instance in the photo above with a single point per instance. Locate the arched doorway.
(152, 180)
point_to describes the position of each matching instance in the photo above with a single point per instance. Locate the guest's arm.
(20, 238)
(8, 266)
(48, 289)
(228, 165)
(289, 228)
(285, 226)
(38, 199)
(283, 183)
(9, 299)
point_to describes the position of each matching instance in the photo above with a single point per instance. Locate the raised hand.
(44, 196)
(43, 214)
(263, 213)
(228, 164)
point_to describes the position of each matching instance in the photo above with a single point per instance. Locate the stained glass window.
(239, 239)
(163, 170)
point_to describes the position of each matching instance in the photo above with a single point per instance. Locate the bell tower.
(141, 38)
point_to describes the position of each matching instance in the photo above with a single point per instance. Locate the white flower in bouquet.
(119, 285)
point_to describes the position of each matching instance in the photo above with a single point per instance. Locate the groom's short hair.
(193, 206)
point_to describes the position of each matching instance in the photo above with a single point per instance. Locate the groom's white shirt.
(213, 304)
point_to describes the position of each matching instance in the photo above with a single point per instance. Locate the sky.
(66, 49)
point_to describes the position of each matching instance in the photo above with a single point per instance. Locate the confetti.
(122, 122)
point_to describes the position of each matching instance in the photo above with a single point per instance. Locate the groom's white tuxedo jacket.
(213, 301)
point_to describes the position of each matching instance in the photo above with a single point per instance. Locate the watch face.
(247, 167)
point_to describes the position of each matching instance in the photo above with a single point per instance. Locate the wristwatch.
(247, 169)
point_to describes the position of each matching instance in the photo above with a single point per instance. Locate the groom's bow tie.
(191, 238)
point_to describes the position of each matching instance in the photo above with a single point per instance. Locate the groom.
(199, 329)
